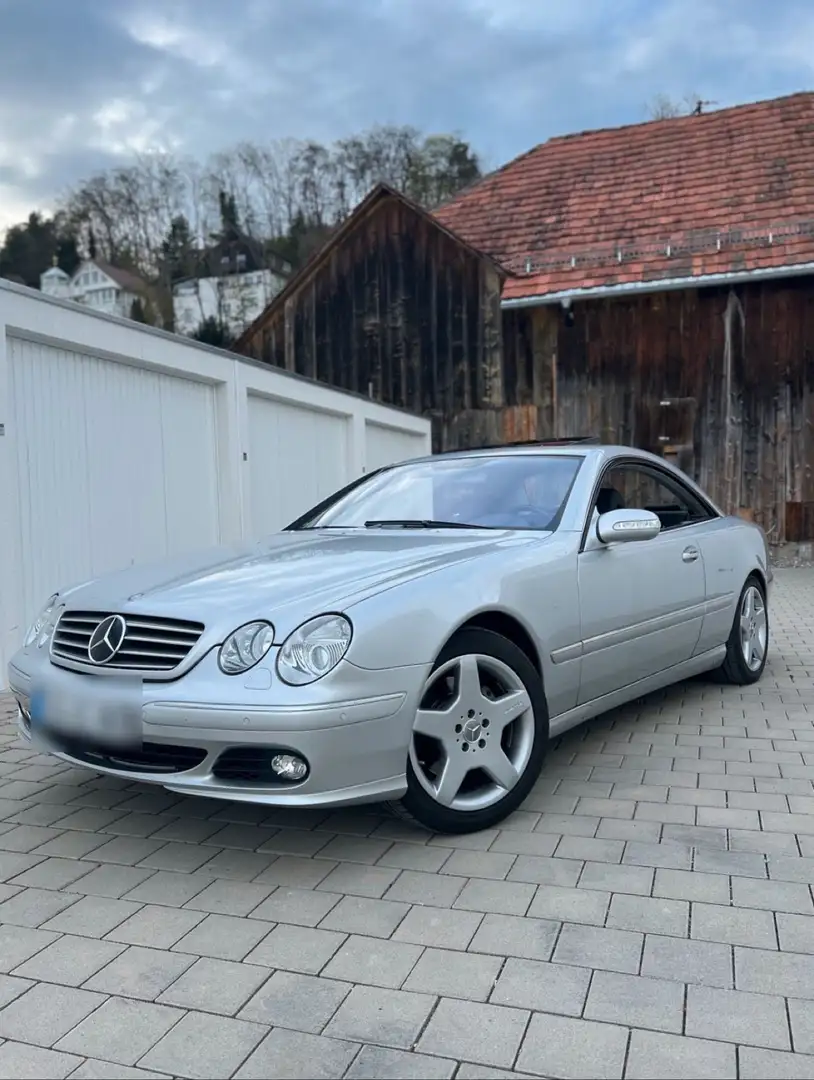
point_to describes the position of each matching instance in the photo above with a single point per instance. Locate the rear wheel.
(479, 737)
(748, 645)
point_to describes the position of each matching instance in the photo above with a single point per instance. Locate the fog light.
(289, 767)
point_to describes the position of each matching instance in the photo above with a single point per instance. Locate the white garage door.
(386, 446)
(297, 456)
(115, 465)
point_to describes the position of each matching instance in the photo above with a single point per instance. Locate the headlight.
(43, 626)
(245, 647)
(314, 649)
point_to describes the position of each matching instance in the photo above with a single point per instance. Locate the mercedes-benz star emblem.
(107, 639)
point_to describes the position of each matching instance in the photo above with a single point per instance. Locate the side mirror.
(621, 526)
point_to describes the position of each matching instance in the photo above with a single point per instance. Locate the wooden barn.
(652, 284)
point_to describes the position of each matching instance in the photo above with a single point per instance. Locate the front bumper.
(352, 728)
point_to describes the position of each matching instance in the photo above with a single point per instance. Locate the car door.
(641, 602)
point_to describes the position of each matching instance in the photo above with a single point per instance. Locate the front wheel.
(748, 645)
(479, 737)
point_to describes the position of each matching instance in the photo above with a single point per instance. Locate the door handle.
(689, 554)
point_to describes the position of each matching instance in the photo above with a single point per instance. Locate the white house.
(97, 284)
(235, 299)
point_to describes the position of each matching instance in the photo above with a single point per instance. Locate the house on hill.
(102, 287)
(650, 284)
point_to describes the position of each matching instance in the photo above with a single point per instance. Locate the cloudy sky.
(86, 83)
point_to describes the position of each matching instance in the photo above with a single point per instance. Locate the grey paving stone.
(407, 856)
(290, 1055)
(168, 889)
(567, 825)
(121, 1030)
(582, 848)
(733, 1016)
(531, 984)
(204, 1046)
(53, 874)
(387, 1017)
(637, 880)
(360, 915)
(774, 1065)
(229, 897)
(25, 1062)
(701, 962)
(296, 948)
(545, 871)
(635, 1000)
(772, 895)
(379, 1063)
(672, 856)
(356, 880)
(110, 880)
(294, 871)
(93, 1069)
(19, 943)
(692, 885)
(299, 1002)
(523, 843)
(485, 1034)
(70, 960)
(373, 962)
(12, 987)
(156, 927)
(673, 1057)
(223, 937)
(796, 933)
(598, 947)
(510, 935)
(34, 907)
(574, 905)
(73, 844)
(140, 973)
(733, 926)
(92, 916)
(237, 865)
(25, 838)
(438, 926)
(420, 887)
(498, 897)
(779, 973)
(734, 863)
(216, 986)
(359, 849)
(302, 907)
(801, 1015)
(45, 1013)
(563, 1046)
(453, 974)
(653, 915)
(479, 864)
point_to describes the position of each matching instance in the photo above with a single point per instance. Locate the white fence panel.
(120, 443)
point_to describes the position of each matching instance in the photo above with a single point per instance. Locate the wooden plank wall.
(724, 377)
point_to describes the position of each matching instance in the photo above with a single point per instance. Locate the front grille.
(151, 642)
(149, 758)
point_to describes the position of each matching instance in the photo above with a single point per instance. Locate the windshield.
(517, 491)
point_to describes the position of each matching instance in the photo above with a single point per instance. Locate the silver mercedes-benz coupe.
(416, 638)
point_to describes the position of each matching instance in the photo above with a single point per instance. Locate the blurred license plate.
(96, 710)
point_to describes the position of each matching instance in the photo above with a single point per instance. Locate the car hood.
(287, 577)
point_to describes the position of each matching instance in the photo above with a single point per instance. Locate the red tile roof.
(726, 191)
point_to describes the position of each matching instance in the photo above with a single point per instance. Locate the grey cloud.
(506, 73)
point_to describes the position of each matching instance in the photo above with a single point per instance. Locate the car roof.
(577, 448)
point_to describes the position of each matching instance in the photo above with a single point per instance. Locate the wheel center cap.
(472, 730)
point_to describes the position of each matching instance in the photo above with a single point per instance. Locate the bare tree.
(663, 107)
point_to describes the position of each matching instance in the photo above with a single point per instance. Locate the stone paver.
(648, 912)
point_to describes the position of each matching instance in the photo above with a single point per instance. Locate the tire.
(469, 681)
(737, 670)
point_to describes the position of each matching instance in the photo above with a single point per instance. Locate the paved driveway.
(648, 913)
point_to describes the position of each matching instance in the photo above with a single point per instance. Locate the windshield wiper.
(420, 523)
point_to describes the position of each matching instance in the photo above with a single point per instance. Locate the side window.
(639, 488)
